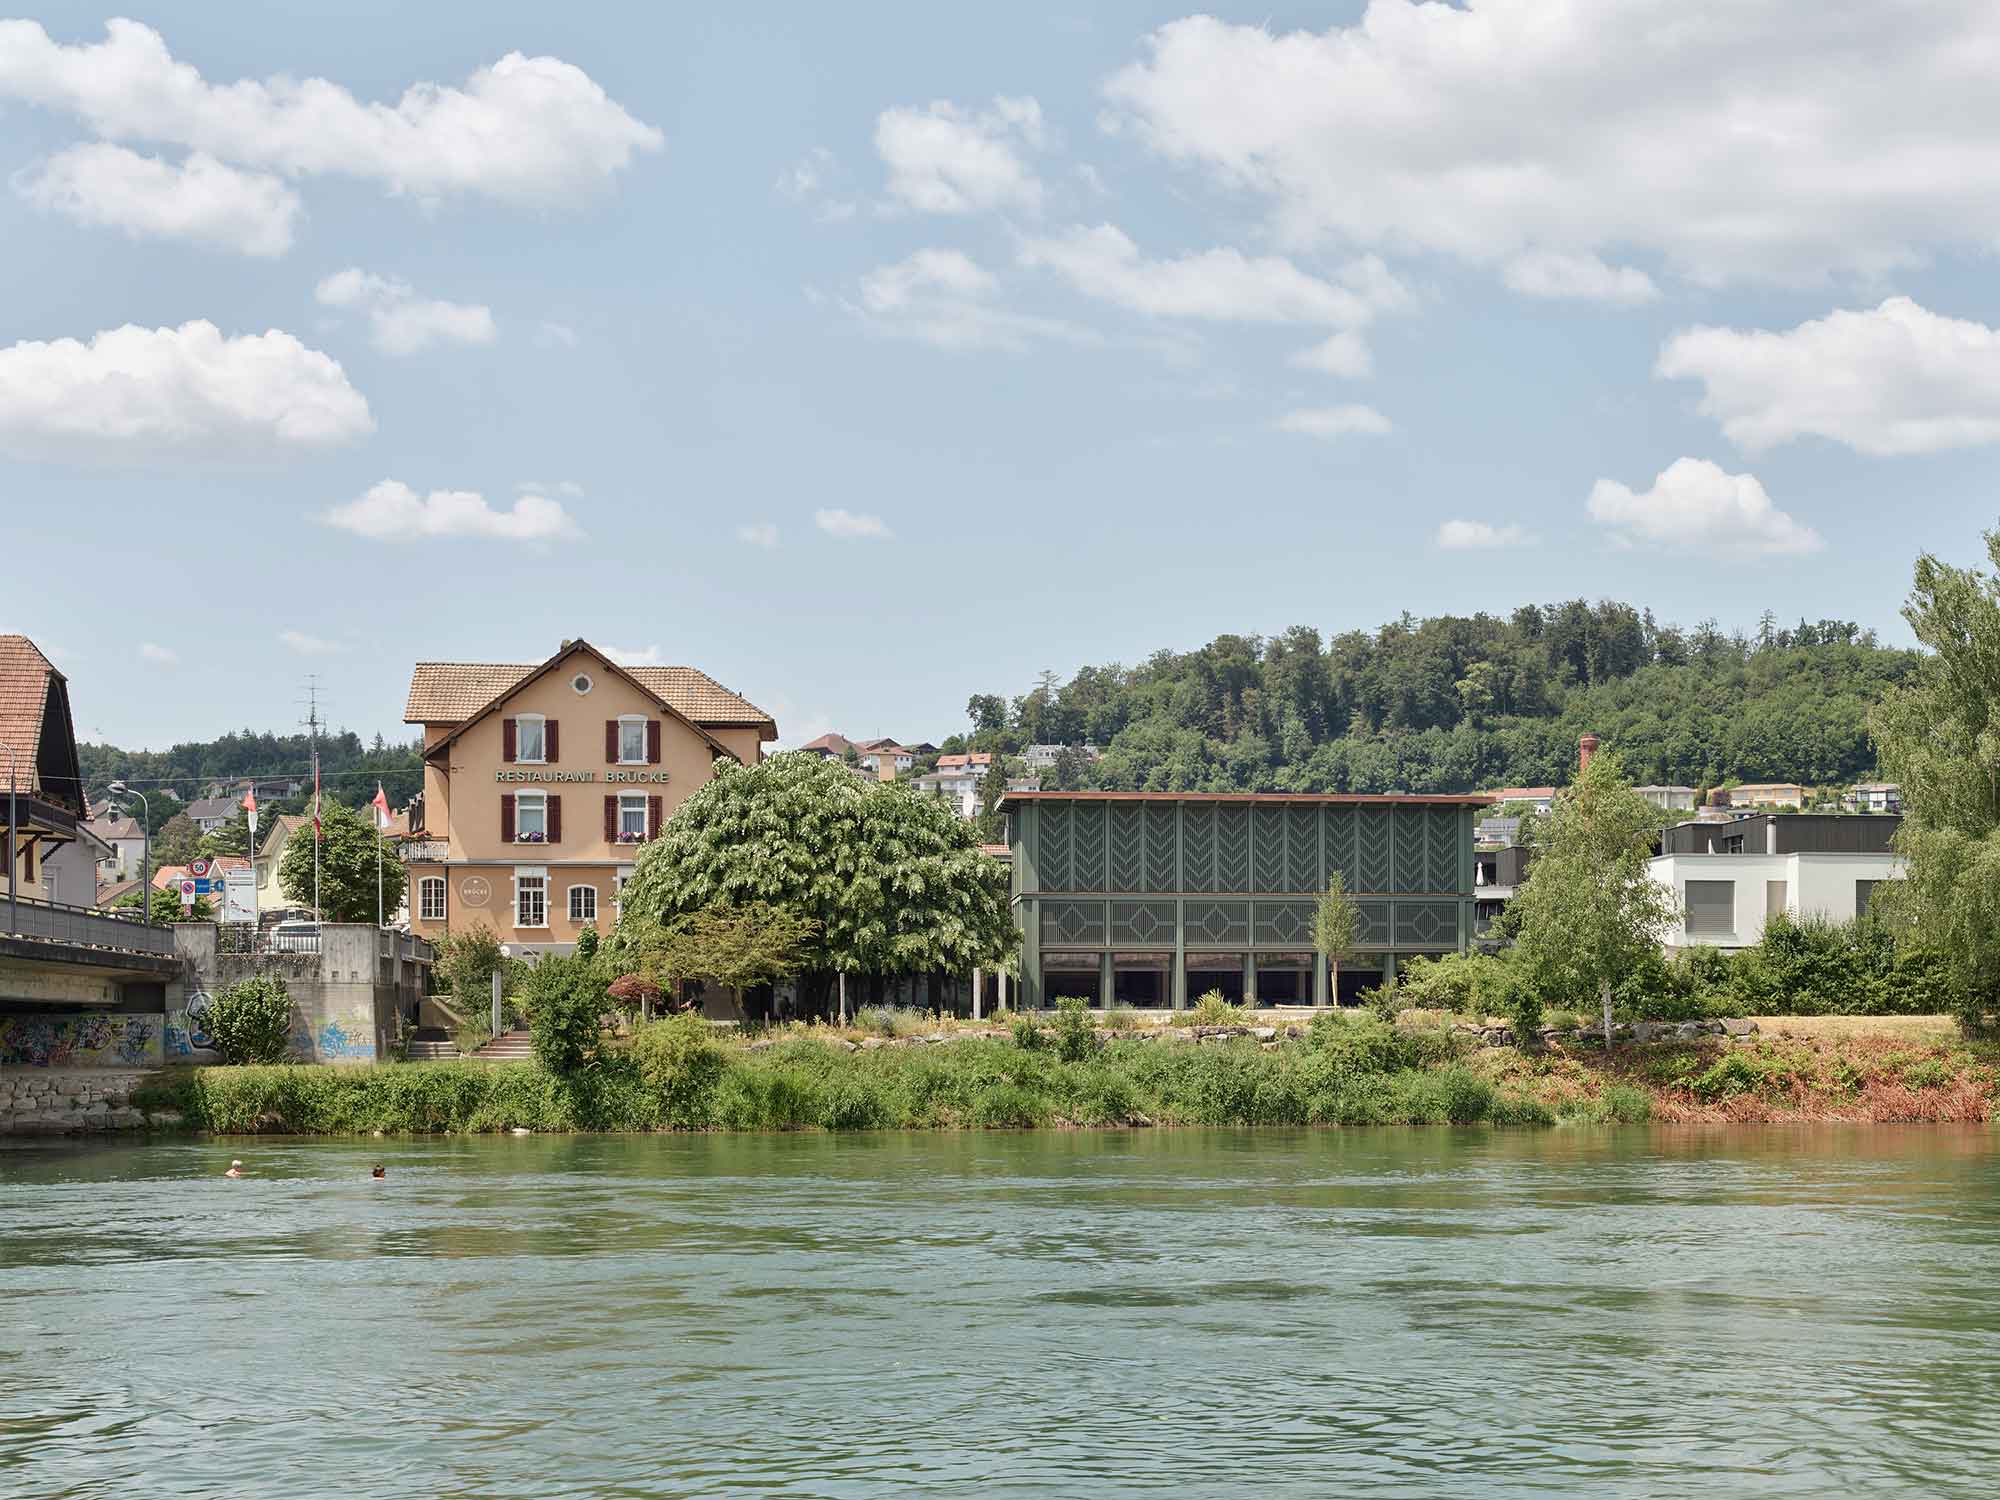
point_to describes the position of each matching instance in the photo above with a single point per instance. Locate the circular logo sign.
(475, 890)
(197, 868)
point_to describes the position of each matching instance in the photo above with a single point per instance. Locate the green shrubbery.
(251, 1021)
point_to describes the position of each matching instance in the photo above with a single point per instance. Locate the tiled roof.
(978, 758)
(839, 744)
(24, 696)
(116, 828)
(449, 692)
(211, 807)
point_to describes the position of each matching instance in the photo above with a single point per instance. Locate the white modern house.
(1728, 878)
(126, 842)
(1873, 797)
(1668, 798)
(1044, 757)
(957, 777)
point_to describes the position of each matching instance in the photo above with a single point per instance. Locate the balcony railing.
(86, 927)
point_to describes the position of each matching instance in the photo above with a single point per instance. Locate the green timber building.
(1156, 898)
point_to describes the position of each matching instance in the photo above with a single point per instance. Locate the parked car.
(294, 937)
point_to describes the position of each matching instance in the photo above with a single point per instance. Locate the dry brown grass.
(1901, 1028)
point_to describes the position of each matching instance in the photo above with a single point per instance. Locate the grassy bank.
(1343, 1071)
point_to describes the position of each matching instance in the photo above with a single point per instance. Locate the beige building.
(542, 783)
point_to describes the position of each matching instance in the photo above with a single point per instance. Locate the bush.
(1028, 1035)
(1121, 1018)
(1074, 1033)
(681, 1062)
(1809, 966)
(251, 1022)
(1384, 1002)
(565, 1000)
(1212, 1010)
(894, 1020)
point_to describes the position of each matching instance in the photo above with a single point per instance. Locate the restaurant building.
(543, 782)
(1156, 898)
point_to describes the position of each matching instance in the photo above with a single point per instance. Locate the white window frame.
(541, 755)
(627, 801)
(540, 802)
(582, 918)
(428, 911)
(537, 878)
(619, 877)
(627, 722)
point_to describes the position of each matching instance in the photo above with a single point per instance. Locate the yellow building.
(541, 783)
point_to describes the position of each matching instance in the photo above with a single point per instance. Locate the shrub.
(1074, 1033)
(1008, 1106)
(894, 1020)
(1212, 1010)
(1931, 1073)
(1340, 1046)
(251, 1022)
(1625, 1105)
(1384, 1002)
(1028, 1033)
(1121, 1018)
(682, 1063)
(565, 998)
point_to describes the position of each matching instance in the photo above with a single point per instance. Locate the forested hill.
(1456, 703)
(349, 768)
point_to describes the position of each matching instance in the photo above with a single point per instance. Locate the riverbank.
(1345, 1071)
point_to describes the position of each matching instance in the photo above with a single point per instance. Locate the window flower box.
(531, 838)
(631, 838)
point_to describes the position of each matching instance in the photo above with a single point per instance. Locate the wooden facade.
(1149, 880)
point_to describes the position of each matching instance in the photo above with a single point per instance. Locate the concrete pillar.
(976, 978)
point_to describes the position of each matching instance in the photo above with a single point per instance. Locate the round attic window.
(581, 682)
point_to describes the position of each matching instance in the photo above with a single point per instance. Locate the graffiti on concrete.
(85, 1041)
(338, 1043)
(187, 1028)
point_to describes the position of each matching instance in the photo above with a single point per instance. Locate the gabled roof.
(955, 762)
(839, 744)
(211, 807)
(34, 720)
(631, 675)
(453, 692)
(116, 828)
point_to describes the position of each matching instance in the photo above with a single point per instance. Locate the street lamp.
(118, 788)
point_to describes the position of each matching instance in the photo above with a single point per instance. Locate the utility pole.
(312, 729)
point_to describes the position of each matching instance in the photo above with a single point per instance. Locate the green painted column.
(1104, 980)
(1178, 984)
(1250, 977)
(1321, 983)
(1031, 955)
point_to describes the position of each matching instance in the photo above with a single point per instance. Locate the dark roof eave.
(1337, 799)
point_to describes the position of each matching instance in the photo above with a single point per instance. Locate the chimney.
(1585, 748)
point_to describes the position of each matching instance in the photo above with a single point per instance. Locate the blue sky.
(870, 359)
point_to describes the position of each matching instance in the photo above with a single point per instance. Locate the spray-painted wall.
(96, 1039)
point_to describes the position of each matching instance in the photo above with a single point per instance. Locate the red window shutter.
(653, 813)
(507, 804)
(551, 741)
(652, 742)
(555, 820)
(611, 741)
(610, 820)
(507, 740)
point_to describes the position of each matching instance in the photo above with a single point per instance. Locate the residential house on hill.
(210, 813)
(125, 842)
(958, 779)
(1044, 757)
(1668, 798)
(1761, 794)
(1729, 878)
(1873, 797)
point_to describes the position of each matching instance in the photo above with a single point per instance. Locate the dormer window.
(530, 740)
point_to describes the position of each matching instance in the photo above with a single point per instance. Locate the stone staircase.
(431, 1044)
(509, 1046)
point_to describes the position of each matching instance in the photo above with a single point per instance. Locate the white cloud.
(393, 512)
(1889, 380)
(1334, 421)
(140, 393)
(201, 200)
(553, 335)
(635, 656)
(528, 129)
(845, 523)
(401, 322)
(810, 182)
(946, 160)
(1345, 354)
(945, 298)
(1467, 536)
(1585, 278)
(1222, 285)
(159, 656)
(309, 645)
(1693, 503)
(758, 534)
(1733, 140)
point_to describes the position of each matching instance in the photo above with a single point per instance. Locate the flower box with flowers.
(625, 836)
(530, 838)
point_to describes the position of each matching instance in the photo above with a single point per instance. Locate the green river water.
(1388, 1312)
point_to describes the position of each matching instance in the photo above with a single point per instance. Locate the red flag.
(381, 806)
(250, 802)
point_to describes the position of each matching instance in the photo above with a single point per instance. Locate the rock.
(935, 1038)
(1689, 1030)
(165, 1119)
(850, 1046)
(520, 1130)
(760, 1045)
(1738, 1026)
(1264, 1033)
(1267, 1046)
(872, 1044)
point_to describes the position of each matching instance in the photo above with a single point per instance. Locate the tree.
(1589, 910)
(347, 865)
(565, 997)
(991, 823)
(735, 947)
(232, 837)
(1938, 735)
(251, 1022)
(165, 906)
(987, 711)
(893, 882)
(176, 842)
(1336, 922)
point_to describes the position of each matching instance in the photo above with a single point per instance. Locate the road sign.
(187, 892)
(203, 887)
(197, 868)
(239, 897)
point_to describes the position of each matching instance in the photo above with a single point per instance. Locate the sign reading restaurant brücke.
(547, 773)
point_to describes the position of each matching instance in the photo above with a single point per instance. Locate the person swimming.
(235, 1169)
(379, 1171)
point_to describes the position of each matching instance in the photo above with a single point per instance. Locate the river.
(1642, 1312)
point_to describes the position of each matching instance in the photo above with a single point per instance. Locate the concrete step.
(425, 1050)
(509, 1046)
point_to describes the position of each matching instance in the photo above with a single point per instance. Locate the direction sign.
(205, 887)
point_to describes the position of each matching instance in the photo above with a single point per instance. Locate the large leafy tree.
(176, 842)
(1589, 911)
(736, 947)
(891, 881)
(1939, 736)
(347, 866)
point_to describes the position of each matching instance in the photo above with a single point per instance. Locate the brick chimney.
(1585, 748)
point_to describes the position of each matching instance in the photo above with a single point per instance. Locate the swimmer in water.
(235, 1169)
(378, 1172)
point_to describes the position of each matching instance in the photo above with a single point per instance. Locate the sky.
(871, 358)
